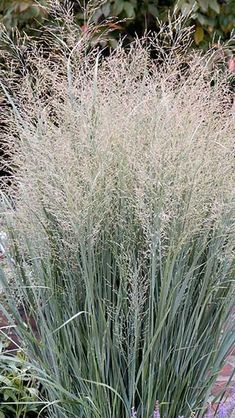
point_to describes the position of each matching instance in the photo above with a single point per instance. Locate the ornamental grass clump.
(122, 232)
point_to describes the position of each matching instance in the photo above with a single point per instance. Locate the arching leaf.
(198, 35)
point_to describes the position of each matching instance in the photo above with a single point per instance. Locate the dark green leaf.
(215, 6)
(204, 4)
(129, 9)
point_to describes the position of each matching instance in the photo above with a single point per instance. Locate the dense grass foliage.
(122, 236)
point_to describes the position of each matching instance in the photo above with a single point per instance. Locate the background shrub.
(210, 17)
(19, 390)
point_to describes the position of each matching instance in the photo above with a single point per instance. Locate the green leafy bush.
(24, 14)
(122, 237)
(19, 391)
(210, 16)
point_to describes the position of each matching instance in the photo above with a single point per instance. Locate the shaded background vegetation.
(213, 19)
